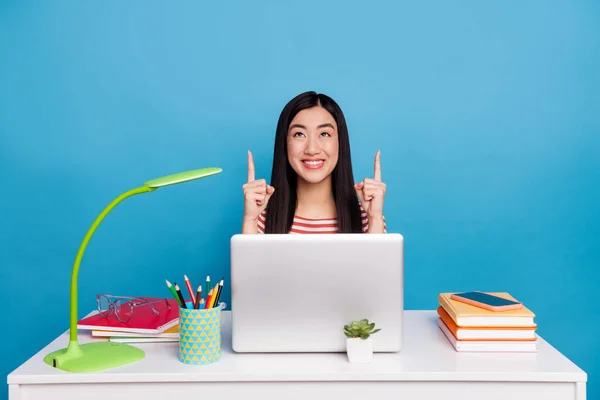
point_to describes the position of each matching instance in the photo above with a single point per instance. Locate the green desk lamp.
(103, 355)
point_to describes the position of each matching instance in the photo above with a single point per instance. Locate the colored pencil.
(219, 293)
(214, 297)
(189, 288)
(183, 305)
(172, 289)
(208, 298)
(207, 283)
(198, 297)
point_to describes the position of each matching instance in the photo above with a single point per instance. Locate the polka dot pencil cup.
(200, 335)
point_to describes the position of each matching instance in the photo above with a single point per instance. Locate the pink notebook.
(143, 320)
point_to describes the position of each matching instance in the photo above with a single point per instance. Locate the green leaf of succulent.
(361, 328)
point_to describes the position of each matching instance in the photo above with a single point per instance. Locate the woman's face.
(312, 144)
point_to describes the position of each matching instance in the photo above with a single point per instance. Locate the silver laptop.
(295, 293)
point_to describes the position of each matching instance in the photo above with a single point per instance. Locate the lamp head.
(181, 177)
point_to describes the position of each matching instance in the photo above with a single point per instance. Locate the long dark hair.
(282, 204)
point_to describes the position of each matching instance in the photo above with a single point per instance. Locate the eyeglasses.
(123, 306)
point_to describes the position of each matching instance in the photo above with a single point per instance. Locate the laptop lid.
(295, 293)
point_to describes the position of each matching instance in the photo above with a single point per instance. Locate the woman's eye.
(325, 133)
(297, 134)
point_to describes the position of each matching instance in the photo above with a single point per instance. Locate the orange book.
(504, 346)
(466, 315)
(504, 333)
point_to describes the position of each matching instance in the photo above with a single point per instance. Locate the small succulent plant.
(360, 329)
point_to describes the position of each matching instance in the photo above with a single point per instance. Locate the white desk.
(427, 367)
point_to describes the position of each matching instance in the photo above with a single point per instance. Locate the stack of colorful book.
(475, 329)
(168, 335)
(144, 326)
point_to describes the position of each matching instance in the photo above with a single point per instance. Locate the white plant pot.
(360, 351)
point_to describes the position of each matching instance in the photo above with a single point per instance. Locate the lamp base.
(92, 357)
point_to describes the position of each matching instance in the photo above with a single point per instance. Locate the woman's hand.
(256, 194)
(371, 193)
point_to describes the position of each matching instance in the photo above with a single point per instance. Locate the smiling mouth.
(313, 164)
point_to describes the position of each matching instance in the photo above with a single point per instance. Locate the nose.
(312, 146)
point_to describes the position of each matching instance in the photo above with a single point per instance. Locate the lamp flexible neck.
(86, 239)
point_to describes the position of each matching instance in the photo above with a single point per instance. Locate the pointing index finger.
(377, 174)
(250, 167)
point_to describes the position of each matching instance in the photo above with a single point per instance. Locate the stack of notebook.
(471, 328)
(169, 335)
(143, 326)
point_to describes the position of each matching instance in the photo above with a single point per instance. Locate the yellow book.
(465, 315)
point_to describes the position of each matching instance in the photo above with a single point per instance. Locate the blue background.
(487, 115)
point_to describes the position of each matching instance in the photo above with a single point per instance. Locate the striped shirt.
(322, 225)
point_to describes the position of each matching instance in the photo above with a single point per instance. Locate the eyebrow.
(326, 125)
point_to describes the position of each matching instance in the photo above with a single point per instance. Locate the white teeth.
(313, 162)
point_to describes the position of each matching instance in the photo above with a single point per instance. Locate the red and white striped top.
(323, 225)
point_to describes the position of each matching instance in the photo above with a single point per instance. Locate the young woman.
(312, 188)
